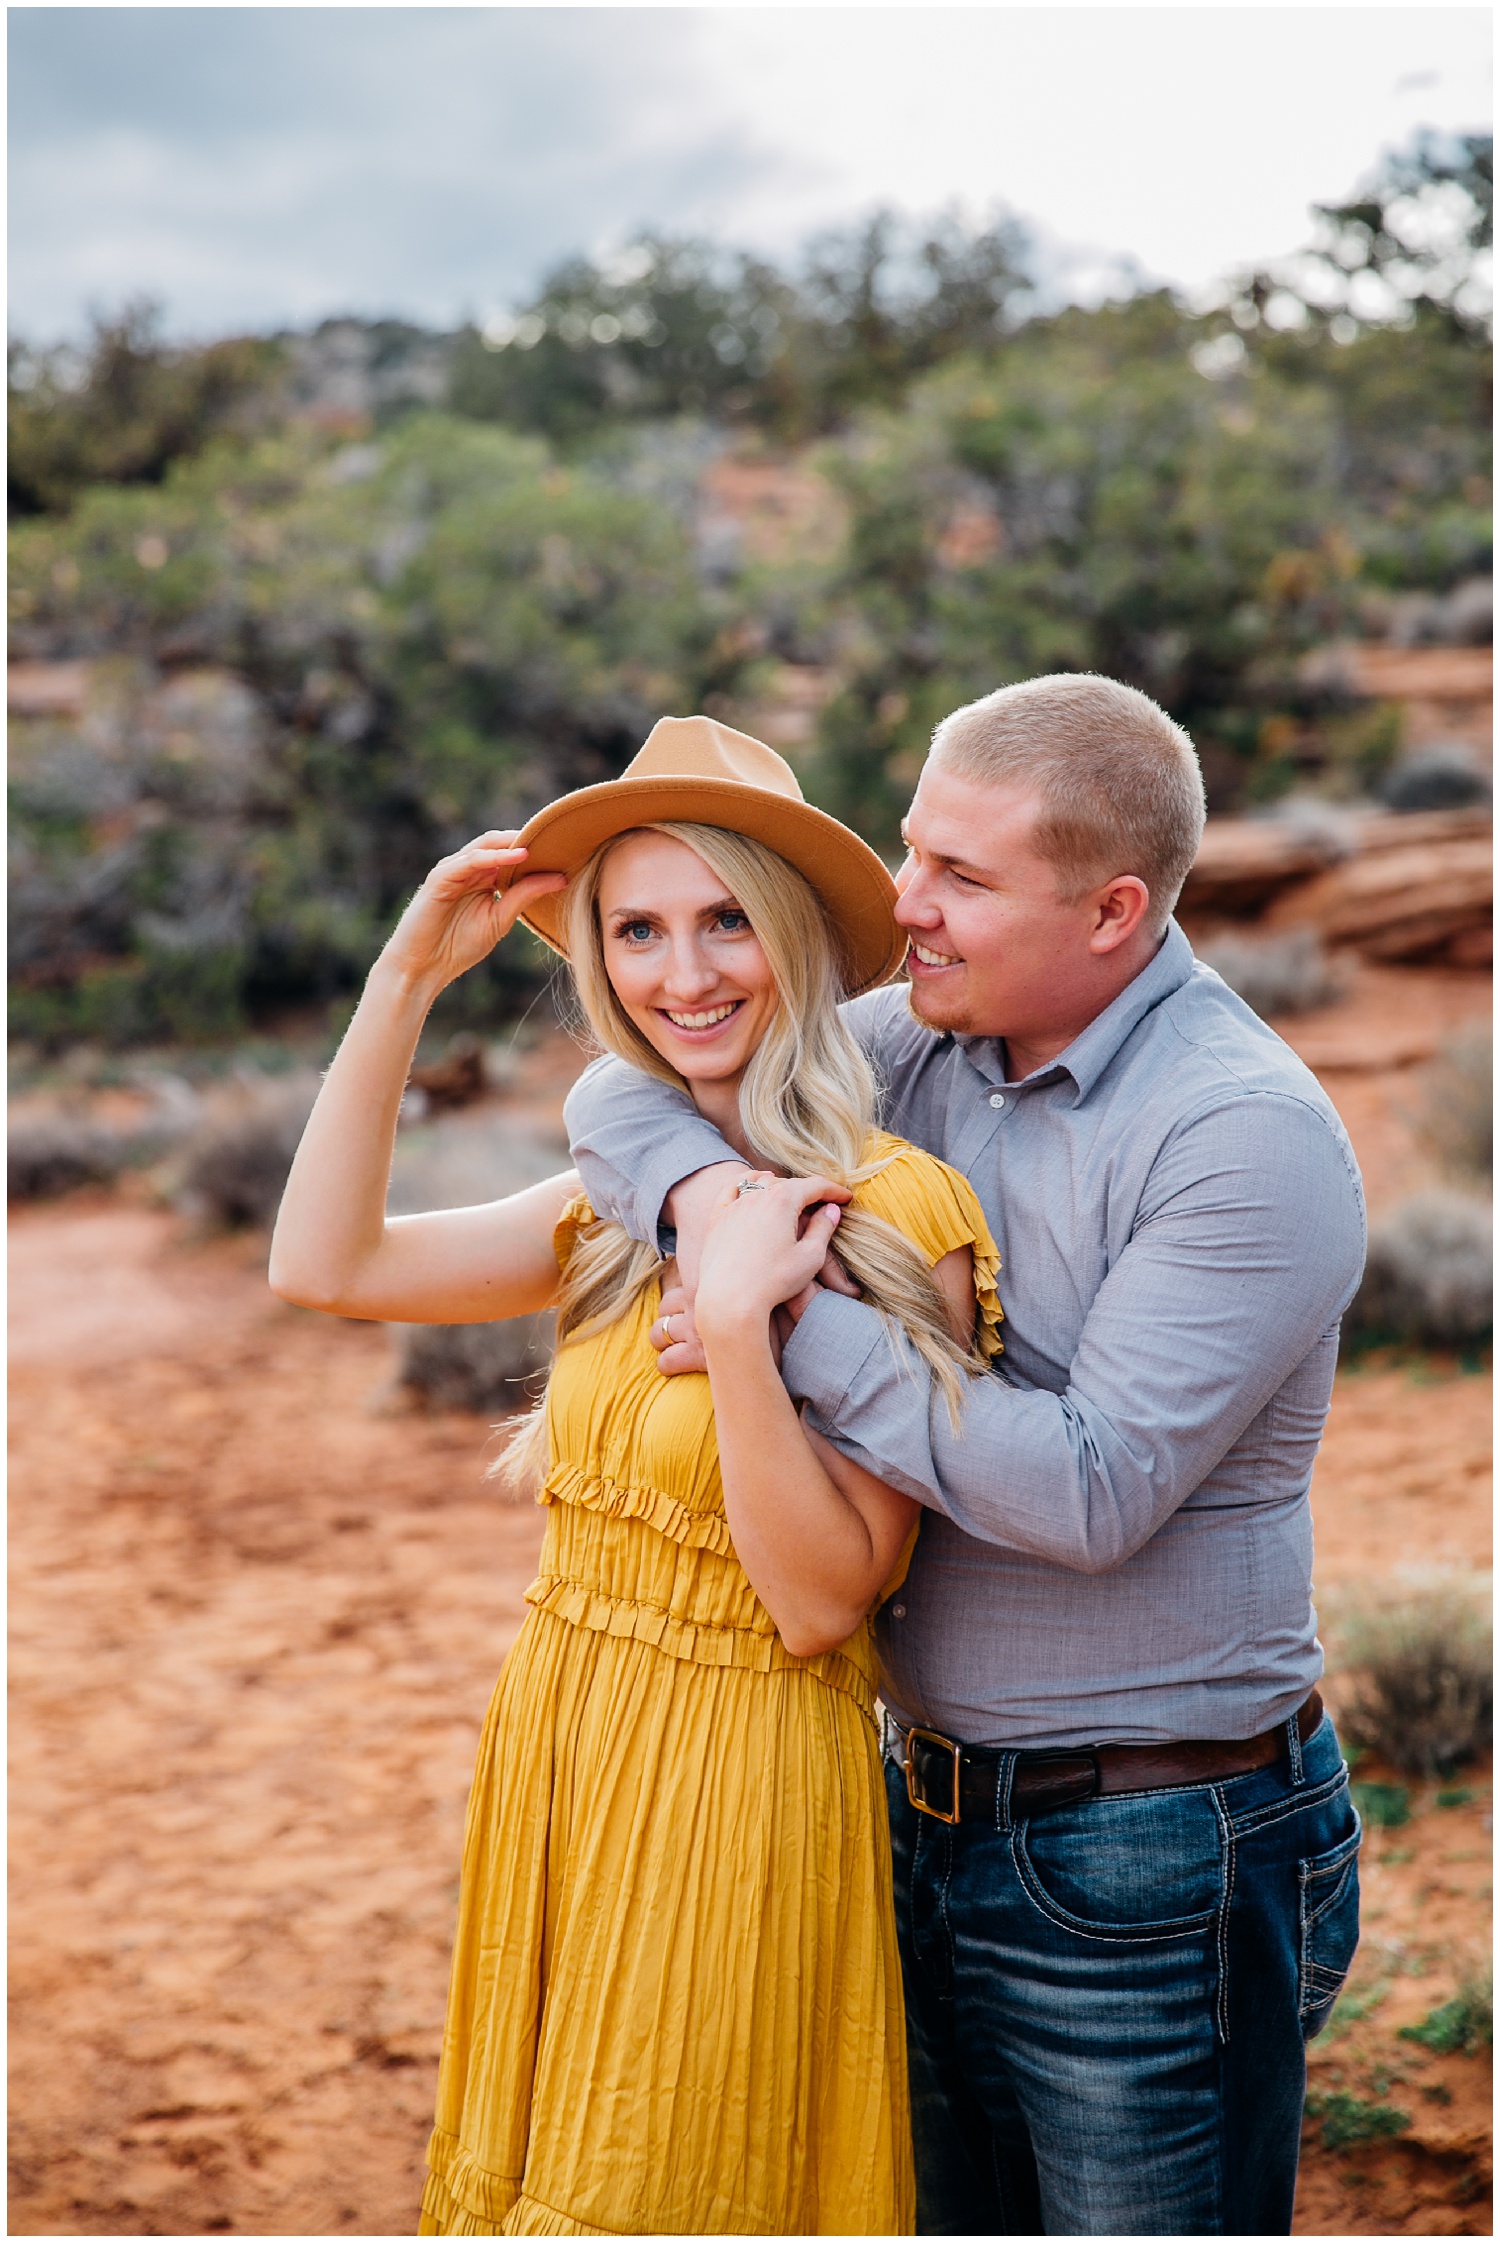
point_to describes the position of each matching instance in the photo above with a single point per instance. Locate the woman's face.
(683, 959)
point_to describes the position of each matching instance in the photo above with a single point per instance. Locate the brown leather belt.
(954, 1784)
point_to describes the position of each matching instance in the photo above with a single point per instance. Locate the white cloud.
(250, 166)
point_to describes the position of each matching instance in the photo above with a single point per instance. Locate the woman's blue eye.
(637, 930)
(733, 921)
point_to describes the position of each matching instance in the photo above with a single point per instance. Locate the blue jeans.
(1106, 2005)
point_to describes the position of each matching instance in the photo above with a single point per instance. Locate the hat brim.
(856, 890)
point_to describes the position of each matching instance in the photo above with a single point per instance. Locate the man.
(1123, 1844)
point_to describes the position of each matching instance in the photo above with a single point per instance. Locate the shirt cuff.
(832, 1343)
(682, 1149)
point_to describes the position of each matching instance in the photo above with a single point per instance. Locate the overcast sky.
(253, 167)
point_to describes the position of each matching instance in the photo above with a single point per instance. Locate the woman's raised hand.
(766, 1242)
(463, 908)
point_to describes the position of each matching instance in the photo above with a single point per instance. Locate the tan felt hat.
(695, 770)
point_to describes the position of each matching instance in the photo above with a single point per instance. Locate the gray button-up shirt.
(1118, 1544)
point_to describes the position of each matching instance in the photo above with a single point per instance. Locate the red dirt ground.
(255, 1625)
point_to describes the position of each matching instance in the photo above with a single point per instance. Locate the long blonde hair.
(807, 1105)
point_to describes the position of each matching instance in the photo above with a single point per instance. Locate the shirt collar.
(1091, 1052)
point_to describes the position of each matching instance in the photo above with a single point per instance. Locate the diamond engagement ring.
(750, 1184)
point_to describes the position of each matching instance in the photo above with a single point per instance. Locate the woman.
(676, 1998)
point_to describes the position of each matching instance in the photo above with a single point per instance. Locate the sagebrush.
(1420, 1681)
(485, 1367)
(1273, 974)
(463, 1162)
(1427, 1280)
(1457, 1117)
(235, 1166)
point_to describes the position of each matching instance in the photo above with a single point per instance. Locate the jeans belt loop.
(1003, 1784)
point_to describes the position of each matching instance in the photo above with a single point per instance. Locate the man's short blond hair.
(1119, 783)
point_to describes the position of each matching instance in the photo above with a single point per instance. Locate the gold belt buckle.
(945, 1744)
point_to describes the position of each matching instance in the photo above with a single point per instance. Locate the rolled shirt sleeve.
(632, 1139)
(1244, 1250)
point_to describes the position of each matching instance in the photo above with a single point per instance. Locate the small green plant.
(1347, 2121)
(1385, 1805)
(1350, 2008)
(1461, 2027)
(1422, 1694)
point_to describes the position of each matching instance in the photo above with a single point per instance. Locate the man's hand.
(688, 1208)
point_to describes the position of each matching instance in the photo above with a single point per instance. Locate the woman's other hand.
(766, 1241)
(674, 1335)
(467, 904)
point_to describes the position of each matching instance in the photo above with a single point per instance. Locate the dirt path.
(255, 1626)
(254, 1631)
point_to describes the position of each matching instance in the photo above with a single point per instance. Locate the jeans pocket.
(1139, 1866)
(1329, 1899)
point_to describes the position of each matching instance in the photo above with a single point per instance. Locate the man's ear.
(1120, 909)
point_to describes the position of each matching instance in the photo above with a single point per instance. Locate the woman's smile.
(702, 1024)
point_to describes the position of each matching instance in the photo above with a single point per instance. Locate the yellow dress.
(676, 1996)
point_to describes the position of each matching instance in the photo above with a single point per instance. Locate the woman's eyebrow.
(625, 911)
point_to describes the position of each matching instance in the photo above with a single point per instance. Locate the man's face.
(995, 950)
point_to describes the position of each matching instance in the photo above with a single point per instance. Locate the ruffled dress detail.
(676, 1999)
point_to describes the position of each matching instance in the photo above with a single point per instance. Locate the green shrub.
(1346, 2121)
(1386, 1805)
(327, 668)
(1461, 2027)
(125, 408)
(317, 665)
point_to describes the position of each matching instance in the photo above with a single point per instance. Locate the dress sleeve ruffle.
(938, 1210)
(575, 1217)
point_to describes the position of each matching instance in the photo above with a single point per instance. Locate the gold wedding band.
(666, 1327)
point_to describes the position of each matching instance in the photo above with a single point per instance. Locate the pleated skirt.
(676, 1997)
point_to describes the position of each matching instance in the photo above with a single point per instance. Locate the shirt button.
(898, 1612)
(997, 1099)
